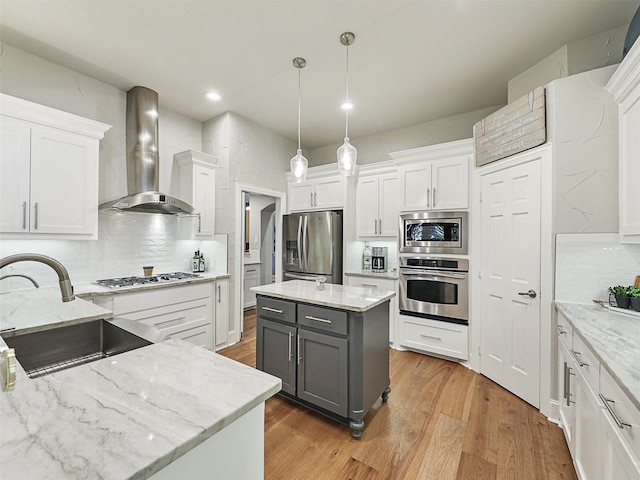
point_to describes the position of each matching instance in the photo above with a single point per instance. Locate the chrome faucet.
(66, 289)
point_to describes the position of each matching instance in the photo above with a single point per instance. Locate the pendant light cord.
(299, 109)
(346, 128)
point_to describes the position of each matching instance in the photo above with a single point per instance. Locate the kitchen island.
(329, 346)
(166, 410)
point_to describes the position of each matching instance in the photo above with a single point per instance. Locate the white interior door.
(510, 267)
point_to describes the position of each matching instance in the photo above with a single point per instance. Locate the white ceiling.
(412, 61)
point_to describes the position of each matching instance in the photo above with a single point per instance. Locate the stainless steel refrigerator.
(312, 246)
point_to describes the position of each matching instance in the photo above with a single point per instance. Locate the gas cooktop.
(133, 281)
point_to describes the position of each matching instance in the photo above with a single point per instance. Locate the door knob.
(531, 293)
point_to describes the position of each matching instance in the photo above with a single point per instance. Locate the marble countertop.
(613, 337)
(358, 299)
(390, 275)
(123, 417)
(93, 289)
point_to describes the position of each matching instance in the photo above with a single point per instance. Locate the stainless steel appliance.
(132, 281)
(312, 244)
(434, 232)
(379, 259)
(436, 288)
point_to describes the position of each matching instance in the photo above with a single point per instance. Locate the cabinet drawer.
(587, 363)
(146, 299)
(437, 337)
(201, 336)
(276, 309)
(324, 319)
(177, 320)
(564, 330)
(623, 408)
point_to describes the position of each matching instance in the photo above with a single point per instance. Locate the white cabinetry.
(224, 322)
(433, 336)
(386, 284)
(48, 172)
(625, 86)
(251, 279)
(377, 205)
(198, 187)
(435, 177)
(324, 189)
(184, 311)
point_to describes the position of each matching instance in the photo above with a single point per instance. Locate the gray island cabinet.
(329, 347)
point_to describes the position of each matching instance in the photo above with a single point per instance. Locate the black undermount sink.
(48, 351)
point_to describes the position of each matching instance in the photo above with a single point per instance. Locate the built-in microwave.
(434, 232)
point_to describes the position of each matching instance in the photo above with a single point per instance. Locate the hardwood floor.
(443, 421)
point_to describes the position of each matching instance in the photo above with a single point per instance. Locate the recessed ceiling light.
(214, 96)
(346, 106)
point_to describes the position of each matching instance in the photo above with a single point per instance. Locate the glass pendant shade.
(299, 166)
(347, 155)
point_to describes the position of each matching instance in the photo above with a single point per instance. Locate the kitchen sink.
(48, 351)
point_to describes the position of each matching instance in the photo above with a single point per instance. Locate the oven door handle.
(432, 274)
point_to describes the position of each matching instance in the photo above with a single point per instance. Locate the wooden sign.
(517, 127)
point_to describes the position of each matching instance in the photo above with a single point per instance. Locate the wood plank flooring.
(443, 421)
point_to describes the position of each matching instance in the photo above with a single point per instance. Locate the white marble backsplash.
(587, 264)
(126, 242)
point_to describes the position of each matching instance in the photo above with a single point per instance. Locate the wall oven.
(436, 288)
(434, 232)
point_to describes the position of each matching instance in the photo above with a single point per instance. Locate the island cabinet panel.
(333, 361)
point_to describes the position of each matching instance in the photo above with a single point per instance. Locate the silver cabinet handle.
(565, 377)
(370, 285)
(428, 197)
(560, 330)
(606, 401)
(219, 294)
(316, 319)
(24, 215)
(568, 388)
(434, 197)
(199, 222)
(576, 355)
(35, 221)
(311, 199)
(290, 356)
(430, 336)
(168, 323)
(315, 199)
(272, 310)
(251, 271)
(375, 226)
(379, 226)
(299, 351)
(9, 356)
(530, 293)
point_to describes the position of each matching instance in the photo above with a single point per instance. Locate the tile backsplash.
(126, 242)
(588, 264)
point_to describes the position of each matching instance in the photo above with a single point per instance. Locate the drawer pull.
(290, 343)
(560, 330)
(251, 271)
(368, 285)
(576, 355)
(430, 336)
(24, 215)
(316, 319)
(168, 323)
(612, 412)
(299, 351)
(272, 310)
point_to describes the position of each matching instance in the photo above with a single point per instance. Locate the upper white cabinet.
(435, 177)
(625, 86)
(377, 204)
(198, 187)
(324, 189)
(48, 172)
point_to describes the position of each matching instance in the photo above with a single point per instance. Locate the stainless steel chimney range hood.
(143, 161)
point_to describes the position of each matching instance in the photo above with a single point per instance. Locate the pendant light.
(299, 163)
(347, 153)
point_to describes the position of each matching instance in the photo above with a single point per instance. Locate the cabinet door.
(204, 185)
(275, 352)
(566, 393)
(323, 371)
(251, 279)
(367, 206)
(616, 459)
(300, 196)
(64, 182)
(388, 205)
(329, 193)
(416, 186)
(15, 155)
(450, 183)
(587, 417)
(224, 322)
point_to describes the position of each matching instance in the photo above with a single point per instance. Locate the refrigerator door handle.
(300, 248)
(304, 251)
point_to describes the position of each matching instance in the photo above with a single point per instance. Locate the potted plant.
(621, 295)
(634, 293)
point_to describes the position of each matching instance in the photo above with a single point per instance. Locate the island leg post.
(385, 395)
(356, 428)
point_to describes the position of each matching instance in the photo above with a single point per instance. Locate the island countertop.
(357, 299)
(122, 417)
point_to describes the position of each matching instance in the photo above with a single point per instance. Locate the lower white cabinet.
(433, 336)
(386, 284)
(184, 311)
(251, 279)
